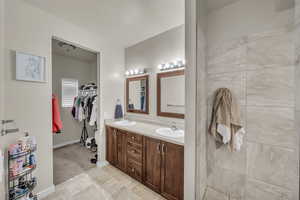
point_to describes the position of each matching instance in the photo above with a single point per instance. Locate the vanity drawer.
(134, 169)
(134, 153)
(135, 138)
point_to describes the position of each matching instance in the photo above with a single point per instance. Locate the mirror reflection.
(137, 94)
(171, 94)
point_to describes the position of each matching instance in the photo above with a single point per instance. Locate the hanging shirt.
(56, 119)
(93, 117)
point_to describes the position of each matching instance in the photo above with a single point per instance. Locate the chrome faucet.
(173, 126)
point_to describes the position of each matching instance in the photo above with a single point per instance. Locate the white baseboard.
(43, 194)
(102, 164)
(65, 144)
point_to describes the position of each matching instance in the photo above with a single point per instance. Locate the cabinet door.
(121, 150)
(172, 171)
(152, 163)
(110, 145)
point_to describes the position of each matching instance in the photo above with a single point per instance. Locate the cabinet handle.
(164, 148)
(158, 147)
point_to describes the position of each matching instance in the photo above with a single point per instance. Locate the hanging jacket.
(56, 119)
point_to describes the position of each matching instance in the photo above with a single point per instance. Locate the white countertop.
(146, 129)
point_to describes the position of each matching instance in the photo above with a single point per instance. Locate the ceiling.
(77, 53)
(124, 21)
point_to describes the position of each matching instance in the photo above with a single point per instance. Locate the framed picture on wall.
(30, 67)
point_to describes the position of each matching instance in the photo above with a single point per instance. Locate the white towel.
(225, 132)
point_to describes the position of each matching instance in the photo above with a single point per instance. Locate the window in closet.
(69, 92)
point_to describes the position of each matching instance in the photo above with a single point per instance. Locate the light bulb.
(160, 66)
(136, 71)
(127, 73)
(167, 65)
(131, 72)
(171, 65)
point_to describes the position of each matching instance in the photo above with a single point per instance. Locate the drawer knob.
(132, 170)
(133, 151)
(133, 137)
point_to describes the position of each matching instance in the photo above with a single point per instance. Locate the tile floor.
(107, 183)
(74, 157)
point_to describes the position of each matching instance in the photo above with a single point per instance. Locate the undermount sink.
(125, 123)
(168, 132)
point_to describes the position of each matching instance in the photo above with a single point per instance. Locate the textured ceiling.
(124, 21)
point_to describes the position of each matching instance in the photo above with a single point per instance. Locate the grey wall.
(201, 106)
(165, 47)
(297, 74)
(251, 51)
(70, 68)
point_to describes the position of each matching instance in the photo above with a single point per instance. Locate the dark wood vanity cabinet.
(157, 164)
(116, 147)
(152, 163)
(164, 168)
(172, 171)
(111, 154)
(121, 149)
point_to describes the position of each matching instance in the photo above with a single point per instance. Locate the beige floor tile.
(107, 183)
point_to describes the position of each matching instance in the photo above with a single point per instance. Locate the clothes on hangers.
(85, 107)
(93, 116)
(56, 119)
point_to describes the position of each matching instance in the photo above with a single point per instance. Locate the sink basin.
(125, 123)
(168, 132)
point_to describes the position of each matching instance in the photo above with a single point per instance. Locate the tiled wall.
(259, 69)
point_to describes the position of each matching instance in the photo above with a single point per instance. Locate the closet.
(75, 89)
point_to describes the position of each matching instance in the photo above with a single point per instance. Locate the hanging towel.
(56, 120)
(226, 126)
(118, 110)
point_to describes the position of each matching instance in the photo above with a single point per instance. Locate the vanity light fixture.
(135, 72)
(172, 65)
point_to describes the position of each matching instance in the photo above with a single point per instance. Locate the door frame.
(98, 71)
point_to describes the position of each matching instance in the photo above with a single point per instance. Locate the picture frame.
(30, 67)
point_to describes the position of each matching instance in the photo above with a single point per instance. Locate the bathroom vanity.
(154, 160)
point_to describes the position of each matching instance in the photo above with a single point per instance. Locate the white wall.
(70, 68)
(29, 29)
(148, 54)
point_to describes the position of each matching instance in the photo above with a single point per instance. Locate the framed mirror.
(171, 94)
(137, 94)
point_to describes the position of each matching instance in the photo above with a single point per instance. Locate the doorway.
(74, 109)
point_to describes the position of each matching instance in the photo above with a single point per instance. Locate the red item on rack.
(56, 119)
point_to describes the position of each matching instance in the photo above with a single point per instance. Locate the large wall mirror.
(171, 94)
(137, 94)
